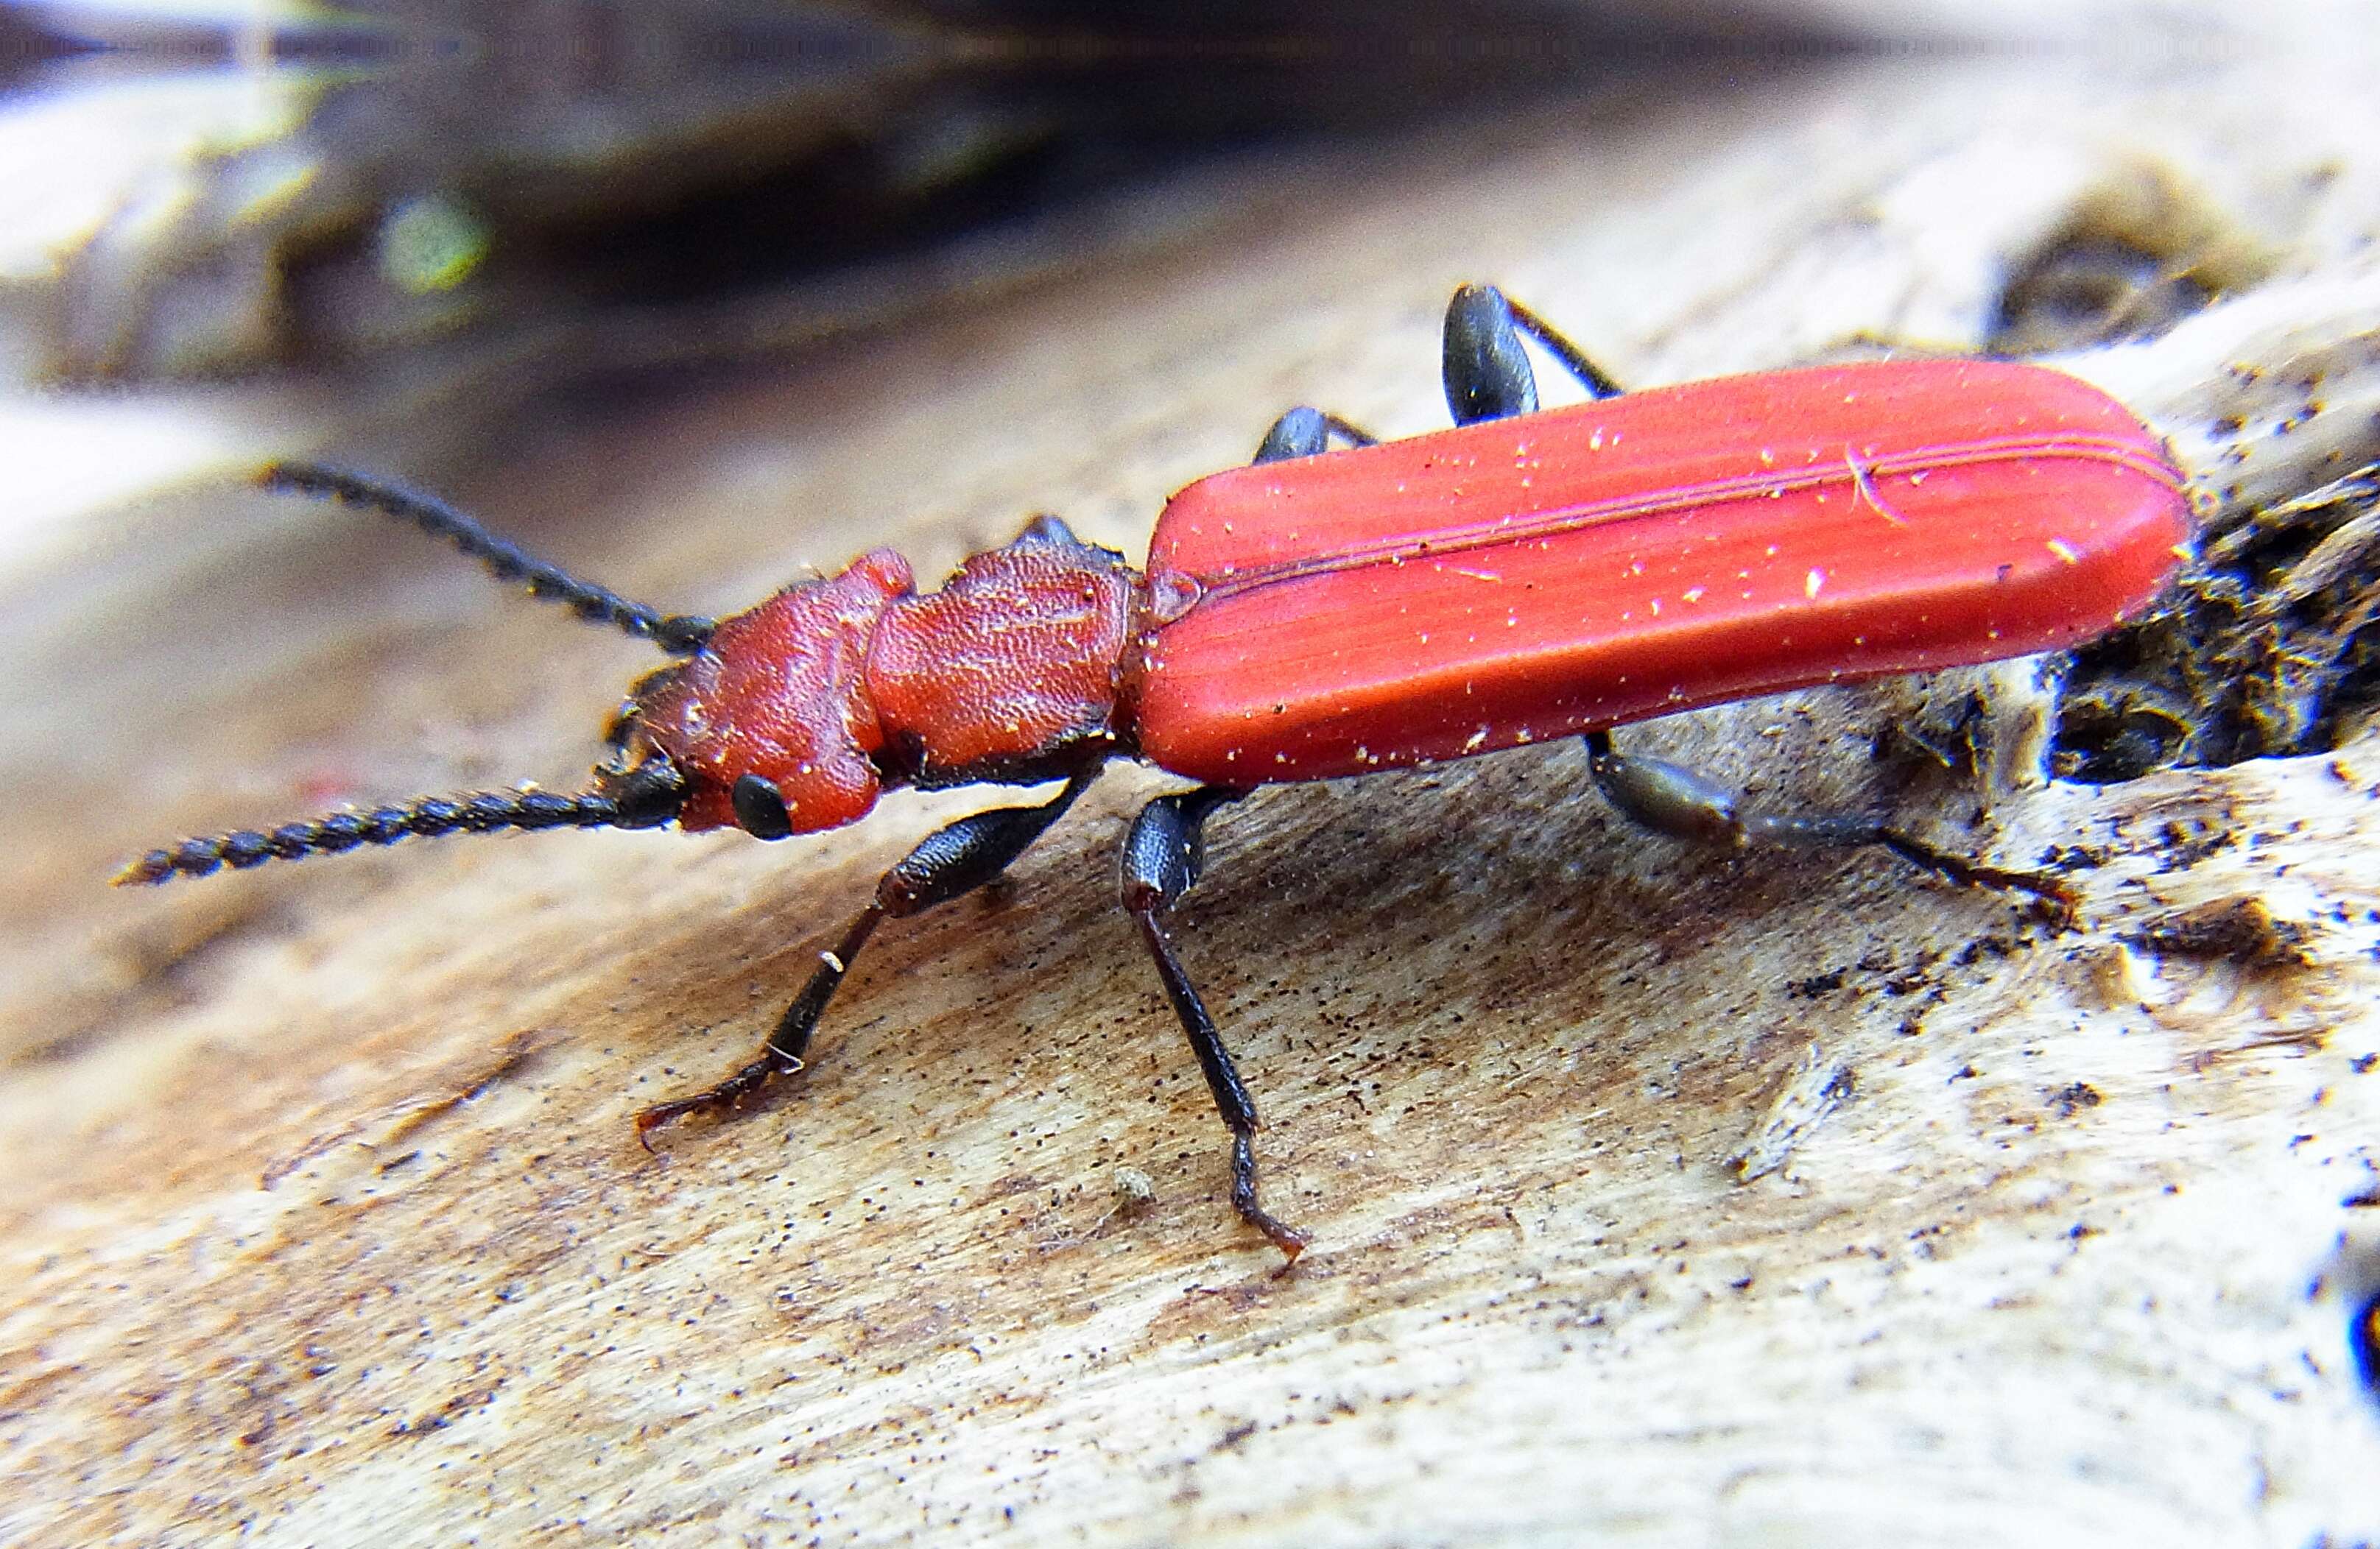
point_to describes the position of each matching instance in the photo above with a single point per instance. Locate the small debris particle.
(2364, 1334)
(1817, 985)
(2239, 930)
(2082, 1095)
(1132, 1187)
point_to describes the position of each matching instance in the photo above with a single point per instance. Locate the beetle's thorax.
(835, 690)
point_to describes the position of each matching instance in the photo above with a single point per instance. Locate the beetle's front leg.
(949, 863)
(1673, 800)
(1161, 860)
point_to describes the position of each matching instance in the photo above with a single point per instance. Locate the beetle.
(1343, 605)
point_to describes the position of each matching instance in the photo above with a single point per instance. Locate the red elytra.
(1524, 576)
(1523, 579)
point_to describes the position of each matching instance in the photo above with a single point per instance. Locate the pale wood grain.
(324, 1219)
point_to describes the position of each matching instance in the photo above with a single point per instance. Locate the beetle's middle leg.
(947, 864)
(1673, 800)
(1162, 858)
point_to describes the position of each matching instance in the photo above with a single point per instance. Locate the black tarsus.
(678, 633)
(947, 864)
(1162, 858)
(1597, 381)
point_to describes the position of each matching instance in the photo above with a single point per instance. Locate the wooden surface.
(1655, 1198)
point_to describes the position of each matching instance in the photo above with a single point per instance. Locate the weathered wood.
(1773, 1199)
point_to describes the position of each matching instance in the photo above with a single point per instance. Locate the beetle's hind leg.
(1487, 370)
(1162, 858)
(948, 864)
(1672, 800)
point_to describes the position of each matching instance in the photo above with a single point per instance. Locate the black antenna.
(643, 797)
(678, 633)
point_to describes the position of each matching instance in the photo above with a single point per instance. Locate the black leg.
(948, 864)
(1307, 432)
(1672, 800)
(1594, 378)
(1161, 860)
(1485, 369)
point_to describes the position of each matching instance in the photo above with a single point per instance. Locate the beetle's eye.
(759, 810)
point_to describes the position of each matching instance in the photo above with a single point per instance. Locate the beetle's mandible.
(1342, 606)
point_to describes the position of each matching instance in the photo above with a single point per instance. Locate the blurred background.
(406, 204)
(214, 212)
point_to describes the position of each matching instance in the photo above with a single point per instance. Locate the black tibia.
(1161, 860)
(641, 800)
(1486, 369)
(1594, 378)
(679, 633)
(948, 864)
(1307, 432)
(1672, 800)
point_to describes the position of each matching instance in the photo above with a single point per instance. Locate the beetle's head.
(769, 727)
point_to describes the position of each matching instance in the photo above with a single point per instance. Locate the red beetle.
(1524, 576)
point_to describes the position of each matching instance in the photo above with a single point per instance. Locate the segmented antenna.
(426, 817)
(678, 633)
